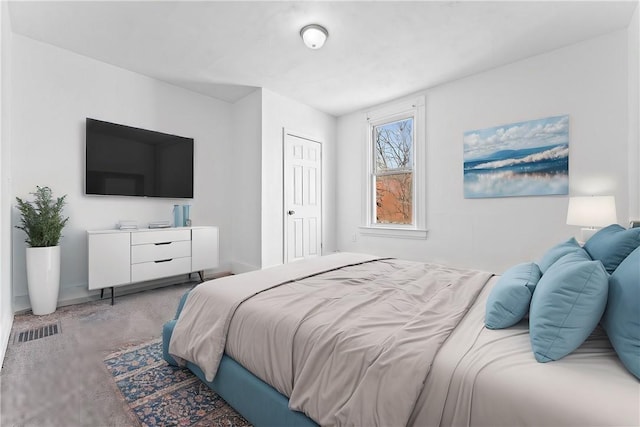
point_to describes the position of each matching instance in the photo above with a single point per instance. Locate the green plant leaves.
(42, 219)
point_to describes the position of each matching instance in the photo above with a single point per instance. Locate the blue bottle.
(185, 215)
(177, 216)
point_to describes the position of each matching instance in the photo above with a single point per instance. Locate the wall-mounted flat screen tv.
(127, 161)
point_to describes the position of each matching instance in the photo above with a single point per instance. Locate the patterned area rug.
(163, 395)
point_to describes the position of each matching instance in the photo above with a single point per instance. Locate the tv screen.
(128, 161)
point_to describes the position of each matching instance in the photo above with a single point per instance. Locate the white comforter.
(352, 346)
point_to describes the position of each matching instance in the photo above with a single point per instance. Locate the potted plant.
(42, 220)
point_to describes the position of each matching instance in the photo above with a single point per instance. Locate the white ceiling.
(376, 50)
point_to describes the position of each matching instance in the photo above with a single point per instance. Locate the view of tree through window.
(394, 172)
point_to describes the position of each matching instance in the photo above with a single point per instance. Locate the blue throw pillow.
(509, 299)
(566, 306)
(612, 244)
(557, 252)
(621, 318)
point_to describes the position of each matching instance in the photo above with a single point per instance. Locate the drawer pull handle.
(163, 243)
(164, 260)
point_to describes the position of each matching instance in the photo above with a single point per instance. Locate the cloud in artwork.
(534, 133)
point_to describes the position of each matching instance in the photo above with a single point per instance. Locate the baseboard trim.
(80, 294)
(240, 267)
(5, 334)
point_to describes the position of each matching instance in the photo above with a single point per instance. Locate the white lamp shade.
(592, 211)
(314, 36)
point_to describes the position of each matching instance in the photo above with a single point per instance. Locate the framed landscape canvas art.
(520, 159)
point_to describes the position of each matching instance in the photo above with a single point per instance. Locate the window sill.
(403, 233)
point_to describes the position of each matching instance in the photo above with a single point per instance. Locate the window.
(394, 200)
(393, 172)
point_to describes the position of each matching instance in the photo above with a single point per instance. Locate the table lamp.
(591, 212)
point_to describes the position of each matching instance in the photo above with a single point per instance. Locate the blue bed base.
(255, 400)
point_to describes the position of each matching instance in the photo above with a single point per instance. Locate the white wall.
(6, 296)
(633, 49)
(279, 112)
(246, 200)
(54, 90)
(588, 81)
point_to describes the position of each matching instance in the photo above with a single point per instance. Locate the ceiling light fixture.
(314, 35)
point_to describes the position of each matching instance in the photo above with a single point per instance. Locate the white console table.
(122, 257)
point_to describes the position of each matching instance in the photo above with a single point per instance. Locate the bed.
(351, 339)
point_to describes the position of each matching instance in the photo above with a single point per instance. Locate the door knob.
(291, 212)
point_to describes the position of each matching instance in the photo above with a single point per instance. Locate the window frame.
(411, 108)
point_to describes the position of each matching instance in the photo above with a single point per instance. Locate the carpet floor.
(159, 394)
(61, 379)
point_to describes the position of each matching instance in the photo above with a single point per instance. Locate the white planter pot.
(43, 278)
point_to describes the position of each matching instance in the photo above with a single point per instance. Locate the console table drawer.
(155, 270)
(160, 251)
(160, 236)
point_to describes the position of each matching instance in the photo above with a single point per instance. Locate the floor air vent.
(37, 333)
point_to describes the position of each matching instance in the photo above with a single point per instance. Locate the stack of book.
(159, 224)
(125, 224)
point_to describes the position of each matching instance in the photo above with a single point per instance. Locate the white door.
(302, 198)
